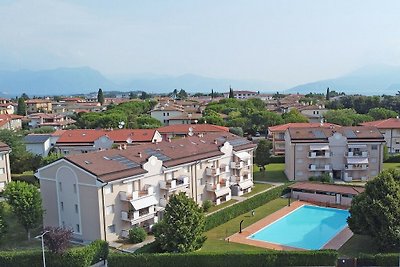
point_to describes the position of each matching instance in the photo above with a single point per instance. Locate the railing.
(237, 165)
(175, 183)
(325, 154)
(215, 187)
(353, 154)
(142, 214)
(213, 171)
(125, 196)
(319, 168)
(351, 167)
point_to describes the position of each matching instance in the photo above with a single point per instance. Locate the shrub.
(393, 159)
(57, 239)
(231, 212)
(381, 259)
(137, 235)
(207, 205)
(277, 159)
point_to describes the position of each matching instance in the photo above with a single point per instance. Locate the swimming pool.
(307, 227)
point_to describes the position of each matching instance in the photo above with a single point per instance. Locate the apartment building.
(390, 128)
(87, 140)
(58, 121)
(276, 134)
(38, 105)
(347, 153)
(5, 172)
(242, 94)
(183, 130)
(101, 195)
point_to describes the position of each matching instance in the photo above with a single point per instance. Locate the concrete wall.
(5, 175)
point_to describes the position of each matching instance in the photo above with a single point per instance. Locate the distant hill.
(370, 80)
(61, 81)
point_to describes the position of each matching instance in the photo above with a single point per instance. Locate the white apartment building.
(390, 128)
(101, 195)
(5, 172)
(347, 153)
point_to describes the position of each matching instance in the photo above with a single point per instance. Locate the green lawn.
(358, 244)
(273, 173)
(216, 237)
(221, 206)
(387, 166)
(16, 237)
(257, 189)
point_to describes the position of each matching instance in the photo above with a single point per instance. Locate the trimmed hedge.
(74, 257)
(249, 204)
(277, 159)
(393, 159)
(382, 259)
(273, 258)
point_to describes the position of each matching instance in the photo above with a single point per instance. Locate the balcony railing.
(319, 154)
(215, 187)
(125, 196)
(354, 154)
(313, 167)
(352, 167)
(237, 165)
(138, 216)
(213, 171)
(174, 184)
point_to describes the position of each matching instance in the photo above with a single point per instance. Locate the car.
(257, 134)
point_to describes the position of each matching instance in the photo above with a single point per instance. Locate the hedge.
(74, 257)
(382, 259)
(270, 258)
(249, 204)
(277, 159)
(393, 159)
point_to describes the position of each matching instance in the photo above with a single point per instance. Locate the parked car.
(257, 134)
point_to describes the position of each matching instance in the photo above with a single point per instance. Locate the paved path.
(132, 247)
(271, 183)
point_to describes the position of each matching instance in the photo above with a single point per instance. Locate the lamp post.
(41, 236)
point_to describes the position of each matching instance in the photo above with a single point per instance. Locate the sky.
(289, 42)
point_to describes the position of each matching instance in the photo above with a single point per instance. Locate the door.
(338, 198)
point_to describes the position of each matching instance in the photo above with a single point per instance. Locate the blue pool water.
(308, 227)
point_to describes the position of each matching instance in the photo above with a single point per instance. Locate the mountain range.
(369, 80)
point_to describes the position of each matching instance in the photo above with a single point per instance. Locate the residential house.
(347, 153)
(314, 113)
(57, 121)
(242, 94)
(276, 134)
(87, 140)
(38, 144)
(5, 171)
(38, 106)
(183, 130)
(101, 195)
(163, 112)
(10, 122)
(390, 128)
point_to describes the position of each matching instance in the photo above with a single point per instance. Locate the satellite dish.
(120, 126)
(190, 129)
(122, 123)
(190, 133)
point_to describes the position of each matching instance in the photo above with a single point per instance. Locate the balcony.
(319, 154)
(356, 167)
(174, 184)
(125, 196)
(213, 171)
(135, 217)
(313, 167)
(237, 165)
(216, 187)
(357, 154)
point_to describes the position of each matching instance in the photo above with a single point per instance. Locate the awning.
(246, 184)
(243, 155)
(357, 160)
(142, 203)
(319, 147)
(223, 191)
(357, 146)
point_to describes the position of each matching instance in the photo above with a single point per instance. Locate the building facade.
(101, 195)
(347, 153)
(390, 128)
(5, 171)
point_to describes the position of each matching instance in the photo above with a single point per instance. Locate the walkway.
(130, 248)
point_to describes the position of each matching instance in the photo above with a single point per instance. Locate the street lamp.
(41, 236)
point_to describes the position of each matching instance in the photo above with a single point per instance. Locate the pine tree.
(21, 108)
(231, 95)
(327, 94)
(100, 96)
(212, 93)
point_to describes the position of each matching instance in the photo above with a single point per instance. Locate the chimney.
(169, 140)
(124, 146)
(140, 154)
(215, 141)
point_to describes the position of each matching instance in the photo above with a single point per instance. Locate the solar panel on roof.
(239, 142)
(350, 134)
(127, 162)
(157, 154)
(221, 139)
(318, 134)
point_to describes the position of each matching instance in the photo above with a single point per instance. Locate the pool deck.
(334, 243)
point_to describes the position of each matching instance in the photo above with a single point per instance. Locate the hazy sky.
(283, 41)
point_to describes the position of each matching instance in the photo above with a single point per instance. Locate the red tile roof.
(390, 123)
(284, 127)
(341, 189)
(4, 118)
(197, 128)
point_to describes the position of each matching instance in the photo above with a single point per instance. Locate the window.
(111, 228)
(167, 113)
(78, 228)
(108, 189)
(76, 208)
(60, 186)
(110, 209)
(75, 188)
(164, 114)
(374, 147)
(62, 205)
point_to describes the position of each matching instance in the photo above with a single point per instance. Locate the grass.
(16, 236)
(273, 173)
(221, 206)
(358, 244)
(257, 189)
(387, 166)
(216, 237)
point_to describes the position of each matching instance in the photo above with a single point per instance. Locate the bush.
(382, 259)
(207, 205)
(277, 159)
(270, 258)
(137, 235)
(236, 130)
(231, 212)
(324, 178)
(57, 239)
(393, 159)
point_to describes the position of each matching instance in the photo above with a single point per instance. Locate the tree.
(328, 96)
(212, 93)
(26, 204)
(236, 130)
(294, 116)
(24, 96)
(382, 113)
(231, 95)
(57, 240)
(100, 96)
(182, 94)
(50, 158)
(376, 211)
(182, 228)
(262, 155)
(137, 235)
(3, 225)
(21, 108)
(144, 95)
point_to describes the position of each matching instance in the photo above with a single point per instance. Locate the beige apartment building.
(390, 128)
(39, 106)
(5, 172)
(101, 195)
(347, 153)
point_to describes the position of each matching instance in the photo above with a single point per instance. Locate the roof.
(284, 127)
(197, 128)
(358, 133)
(187, 116)
(113, 164)
(4, 147)
(4, 118)
(341, 189)
(34, 101)
(36, 138)
(390, 123)
(120, 135)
